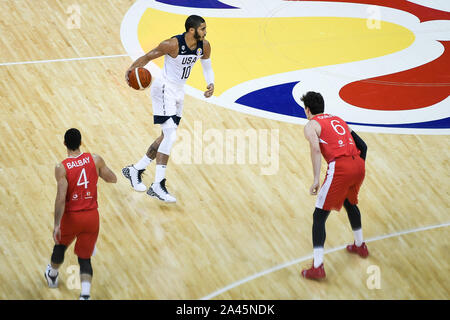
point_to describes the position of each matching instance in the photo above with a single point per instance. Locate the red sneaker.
(314, 273)
(362, 250)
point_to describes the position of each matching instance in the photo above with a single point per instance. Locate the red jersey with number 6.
(335, 138)
(82, 183)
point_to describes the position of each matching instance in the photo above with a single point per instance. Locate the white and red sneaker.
(314, 273)
(362, 250)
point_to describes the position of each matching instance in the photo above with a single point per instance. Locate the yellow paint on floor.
(249, 48)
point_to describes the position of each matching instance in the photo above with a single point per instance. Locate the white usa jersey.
(177, 70)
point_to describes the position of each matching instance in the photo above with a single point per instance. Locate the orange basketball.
(139, 78)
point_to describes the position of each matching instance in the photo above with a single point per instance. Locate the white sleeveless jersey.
(177, 70)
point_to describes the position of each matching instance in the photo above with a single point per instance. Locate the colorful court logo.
(382, 67)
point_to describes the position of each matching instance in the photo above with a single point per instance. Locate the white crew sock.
(358, 237)
(318, 257)
(143, 163)
(85, 288)
(53, 272)
(160, 173)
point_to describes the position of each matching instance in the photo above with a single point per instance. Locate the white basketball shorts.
(167, 101)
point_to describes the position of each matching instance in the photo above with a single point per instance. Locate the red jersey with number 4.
(335, 138)
(82, 179)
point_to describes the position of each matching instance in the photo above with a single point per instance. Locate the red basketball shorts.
(344, 177)
(84, 226)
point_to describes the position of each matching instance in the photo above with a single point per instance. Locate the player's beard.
(197, 36)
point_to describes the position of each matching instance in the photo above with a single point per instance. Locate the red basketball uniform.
(80, 219)
(346, 169)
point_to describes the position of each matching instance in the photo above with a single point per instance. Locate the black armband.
(360, 144)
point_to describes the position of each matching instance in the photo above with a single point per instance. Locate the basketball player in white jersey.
(180, 53)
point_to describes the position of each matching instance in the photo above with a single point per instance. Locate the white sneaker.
(135, 177)
(159, 191)
(51, 281)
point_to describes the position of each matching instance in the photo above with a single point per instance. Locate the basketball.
(139, 78)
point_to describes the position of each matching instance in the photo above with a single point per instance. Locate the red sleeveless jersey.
(335, 138)
(82, 179)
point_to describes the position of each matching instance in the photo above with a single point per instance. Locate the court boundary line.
(304, 258)
(63, 60)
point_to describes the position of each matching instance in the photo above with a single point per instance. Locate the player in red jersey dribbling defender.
(76, 214)
(345, 152)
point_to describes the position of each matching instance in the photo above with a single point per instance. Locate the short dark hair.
(72, 139)
(193, 21)
(314, 102)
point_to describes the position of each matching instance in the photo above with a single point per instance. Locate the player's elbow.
(363, 150)
(315, 150)
(112, 178)
(360, 144)
(109, 177)
(363, 147)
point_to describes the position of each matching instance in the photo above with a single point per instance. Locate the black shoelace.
(163, 186)
(140, 172)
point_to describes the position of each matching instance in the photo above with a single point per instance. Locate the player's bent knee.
(318, 230)
(354, 216)
(320, 215)
(58, 254)
(348, 204)
(85, 266)
(170, 136)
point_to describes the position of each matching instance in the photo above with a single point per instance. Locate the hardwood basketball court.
(230, 221)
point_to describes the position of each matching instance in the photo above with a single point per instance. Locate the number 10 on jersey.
(186, 72)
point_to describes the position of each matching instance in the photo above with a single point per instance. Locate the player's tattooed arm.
(169, 46)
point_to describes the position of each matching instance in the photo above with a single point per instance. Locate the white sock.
(53, 272)
(358, 237)
(160, 173)
(85, 288)
(318, 257)
(143, 163)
